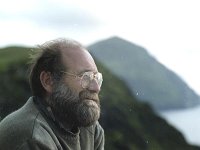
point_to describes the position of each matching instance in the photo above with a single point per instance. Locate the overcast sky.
(168, 29)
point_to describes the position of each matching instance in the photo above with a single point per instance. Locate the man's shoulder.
(19, 125)
(22, 116)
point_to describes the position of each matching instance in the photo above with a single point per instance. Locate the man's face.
(81, 109)
(69, 99)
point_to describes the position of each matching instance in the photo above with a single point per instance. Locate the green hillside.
(12, 55)
(129, 124)
(148, 79)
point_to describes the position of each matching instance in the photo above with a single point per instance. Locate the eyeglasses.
(87, 78)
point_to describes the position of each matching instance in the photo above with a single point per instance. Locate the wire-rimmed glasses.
(87, 78)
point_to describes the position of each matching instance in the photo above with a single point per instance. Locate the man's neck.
(63, 122)
(66, 123)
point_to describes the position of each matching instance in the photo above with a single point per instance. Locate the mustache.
(89, 95)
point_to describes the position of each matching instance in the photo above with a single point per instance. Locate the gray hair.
(47, 57)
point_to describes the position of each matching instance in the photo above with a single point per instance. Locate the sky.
(168, 29)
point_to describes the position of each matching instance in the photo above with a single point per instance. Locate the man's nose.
(94, 86)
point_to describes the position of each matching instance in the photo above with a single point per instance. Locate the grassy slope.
(11, 55)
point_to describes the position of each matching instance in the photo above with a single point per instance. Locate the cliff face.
(148, 79)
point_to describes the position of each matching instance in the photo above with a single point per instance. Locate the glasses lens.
(85, 81)
(88, 77)
(99, 79)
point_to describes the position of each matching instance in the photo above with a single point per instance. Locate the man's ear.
(46, 81)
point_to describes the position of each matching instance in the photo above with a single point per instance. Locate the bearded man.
(64, 110)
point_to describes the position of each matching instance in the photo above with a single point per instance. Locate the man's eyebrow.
(86, 70)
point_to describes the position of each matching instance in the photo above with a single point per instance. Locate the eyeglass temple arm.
(68, 73)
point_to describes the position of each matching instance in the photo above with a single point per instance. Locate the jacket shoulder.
(18, 126)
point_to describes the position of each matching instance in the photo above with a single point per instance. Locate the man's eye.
(86, 76)
(91, 76)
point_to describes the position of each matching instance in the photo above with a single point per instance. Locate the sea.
(187, 121)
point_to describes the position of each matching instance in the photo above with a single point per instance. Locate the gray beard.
(72, 109)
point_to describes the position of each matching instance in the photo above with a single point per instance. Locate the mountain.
(129, 124)
(148, 79)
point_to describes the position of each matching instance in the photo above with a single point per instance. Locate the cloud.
(52, 14)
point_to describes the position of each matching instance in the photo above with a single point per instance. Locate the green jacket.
(29, 129)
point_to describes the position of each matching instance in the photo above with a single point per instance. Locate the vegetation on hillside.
(128, 123)
(12, 55)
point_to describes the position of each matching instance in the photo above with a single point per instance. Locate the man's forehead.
(73, 53)
(78, 59)
(72, 50)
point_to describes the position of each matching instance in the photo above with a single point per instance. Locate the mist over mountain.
(147, 78)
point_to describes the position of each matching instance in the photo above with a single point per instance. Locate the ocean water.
(187, 122)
